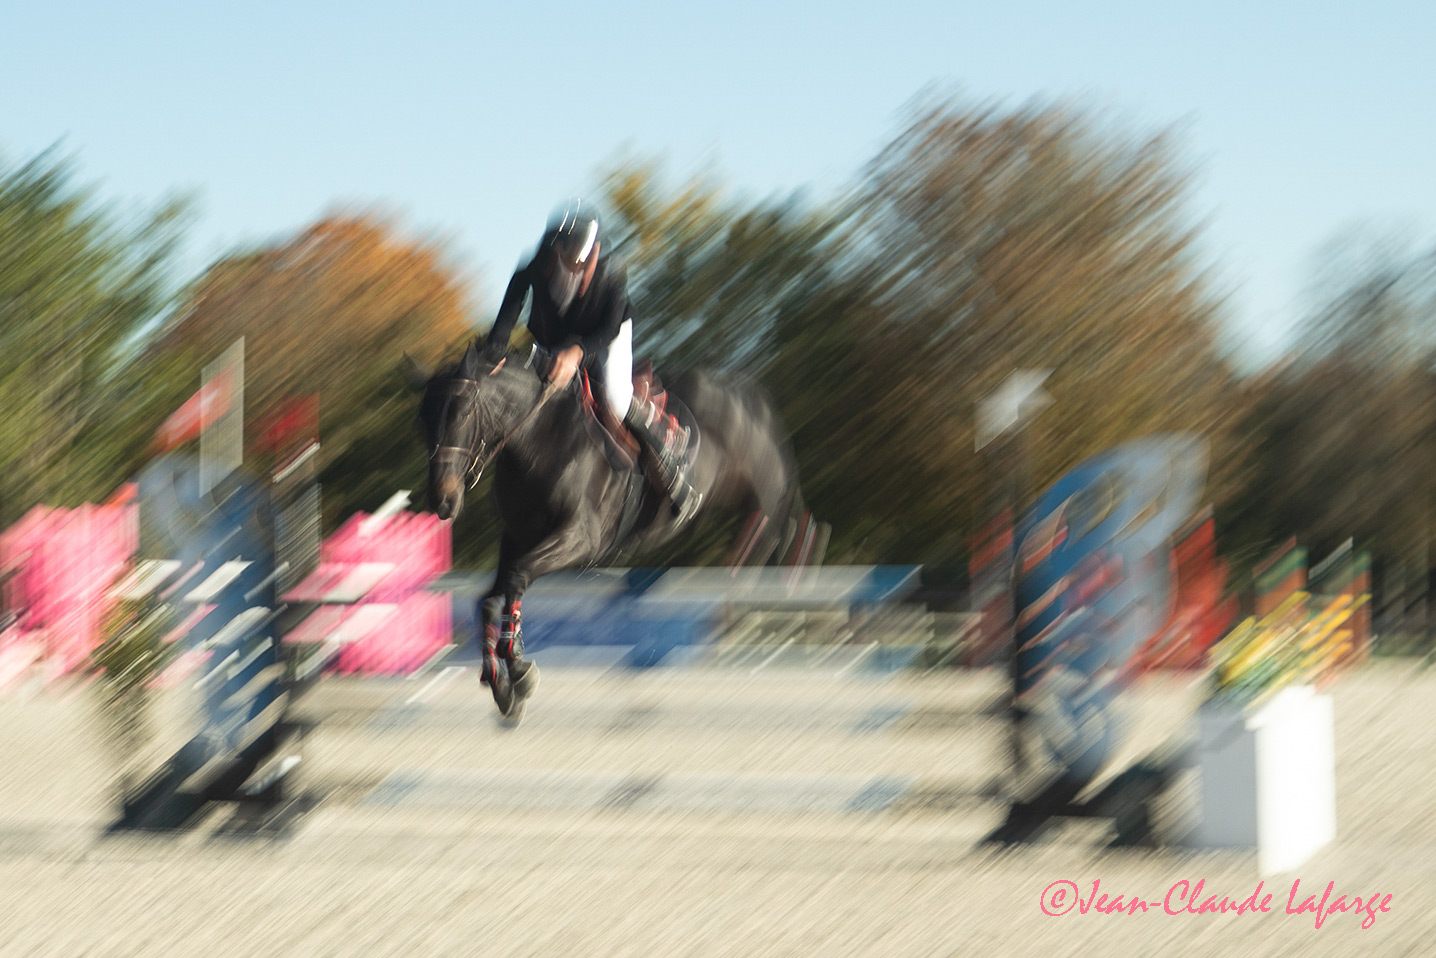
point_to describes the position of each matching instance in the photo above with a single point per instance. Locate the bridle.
(477, 460)
(450, 455)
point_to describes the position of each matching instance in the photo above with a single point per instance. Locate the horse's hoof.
(525, 677)
(514, 715)
(503, 691)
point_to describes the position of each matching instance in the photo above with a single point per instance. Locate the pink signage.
(60, 564)
(371, 592)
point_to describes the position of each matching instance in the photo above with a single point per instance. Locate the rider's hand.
(565, 364)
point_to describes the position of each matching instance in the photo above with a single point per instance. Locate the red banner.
(292, 427)
(1202, 612)
(990, 577)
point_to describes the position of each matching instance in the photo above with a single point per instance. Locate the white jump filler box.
(1268, 777)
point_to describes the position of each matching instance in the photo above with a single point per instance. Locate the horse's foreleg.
(503, 612)
(523, 673)
(511, 677)
(511, 630)
(491, 616)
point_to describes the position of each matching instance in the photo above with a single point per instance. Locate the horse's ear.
(469, 365)
(415, 374)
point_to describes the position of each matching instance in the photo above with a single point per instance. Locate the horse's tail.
(805, 539)
(800, 540)
(763, 480)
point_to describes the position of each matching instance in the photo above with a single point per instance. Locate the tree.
(1373, 300)
(978, 242)
(331, 311)
(78, 285)
(1038, 238)
(1342, 432)
(714, 279)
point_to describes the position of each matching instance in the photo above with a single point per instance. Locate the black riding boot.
(665, 441)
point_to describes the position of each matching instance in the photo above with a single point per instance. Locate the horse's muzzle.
(447, 497)
(446, 480)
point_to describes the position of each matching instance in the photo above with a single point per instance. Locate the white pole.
(221, 438)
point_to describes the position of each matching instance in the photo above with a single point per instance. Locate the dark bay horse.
(566, 501)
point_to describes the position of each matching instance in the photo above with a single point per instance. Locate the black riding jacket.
(592, 319)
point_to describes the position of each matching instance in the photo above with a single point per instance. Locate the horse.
(568, 497)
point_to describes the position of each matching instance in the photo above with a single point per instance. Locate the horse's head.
(461, 413)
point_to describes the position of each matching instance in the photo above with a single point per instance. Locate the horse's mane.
(514, 359)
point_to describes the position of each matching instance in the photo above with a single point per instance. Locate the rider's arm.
(509, 308)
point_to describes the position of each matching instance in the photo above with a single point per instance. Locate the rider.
(580, 312)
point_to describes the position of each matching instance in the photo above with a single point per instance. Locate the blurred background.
(981, 239)
(1216, 222)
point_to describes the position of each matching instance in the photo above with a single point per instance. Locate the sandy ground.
(680, 812)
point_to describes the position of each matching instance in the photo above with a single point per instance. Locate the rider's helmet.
(568, 248)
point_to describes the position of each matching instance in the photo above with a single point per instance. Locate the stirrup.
(690, 503)
(675, 441)
(683, 499)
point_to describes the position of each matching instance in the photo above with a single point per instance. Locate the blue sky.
(472, 120)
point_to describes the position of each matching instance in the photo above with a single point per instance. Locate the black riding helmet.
(568, 245)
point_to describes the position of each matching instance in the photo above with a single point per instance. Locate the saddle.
(619, 445)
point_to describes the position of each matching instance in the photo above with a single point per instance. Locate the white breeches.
(617, 371)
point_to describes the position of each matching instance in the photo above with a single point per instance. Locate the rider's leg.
(665, 441)
(616, 372)
(659, 433)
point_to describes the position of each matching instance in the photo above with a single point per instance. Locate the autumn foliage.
(330, 311)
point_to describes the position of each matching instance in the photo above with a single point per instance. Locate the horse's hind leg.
(746, 548)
